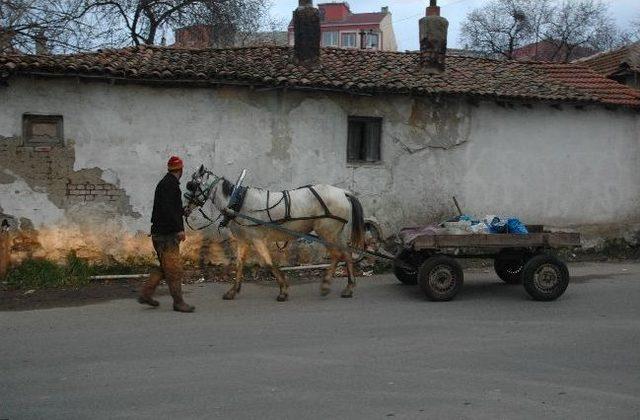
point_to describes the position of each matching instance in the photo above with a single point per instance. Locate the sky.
(406, 14)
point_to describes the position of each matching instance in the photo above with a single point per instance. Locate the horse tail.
(357, 221)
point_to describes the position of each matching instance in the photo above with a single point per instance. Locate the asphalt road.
(386, 353)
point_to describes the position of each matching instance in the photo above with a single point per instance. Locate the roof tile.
(351, 71)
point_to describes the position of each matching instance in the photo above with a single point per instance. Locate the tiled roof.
(352, 19)
(610, 62)
(344, 70)
(548, 51)
(358, 18)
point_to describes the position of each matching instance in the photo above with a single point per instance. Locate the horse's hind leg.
(351, 282)
(264, 253)
(325, 287)
(241, 254)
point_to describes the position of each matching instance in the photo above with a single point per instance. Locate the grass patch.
(41, 274)
(74, 273)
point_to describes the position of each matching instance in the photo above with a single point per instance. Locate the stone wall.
(564, 167)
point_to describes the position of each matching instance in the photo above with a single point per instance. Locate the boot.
(183, 307)
(147, 289)
(179, 305)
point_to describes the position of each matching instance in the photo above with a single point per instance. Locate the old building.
(550, 51)
(622, 64)
(344, 29)
(203, 36)
(85, 137)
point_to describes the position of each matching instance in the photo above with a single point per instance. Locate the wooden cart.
(431, 261)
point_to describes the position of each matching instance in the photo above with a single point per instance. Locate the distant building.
(548, 51)
(621, 65)
(202, 36)
(344, 29)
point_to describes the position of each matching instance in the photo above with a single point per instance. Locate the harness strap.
(320, 200)
(287, 205)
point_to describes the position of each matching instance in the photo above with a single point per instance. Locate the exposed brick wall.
(50, 169)
(94, 192)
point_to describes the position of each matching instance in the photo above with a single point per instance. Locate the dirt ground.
(106, 290)
(24, 300)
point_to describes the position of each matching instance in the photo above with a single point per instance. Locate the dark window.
(42, 130)
(364, 139)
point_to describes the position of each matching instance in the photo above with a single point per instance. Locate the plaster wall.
(562, 167)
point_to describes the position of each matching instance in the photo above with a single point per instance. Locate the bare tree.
(585, 23)
(139, 22)
(501, 26)
(30, 26)
(43, 25)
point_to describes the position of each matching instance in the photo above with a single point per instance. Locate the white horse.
(323, 209)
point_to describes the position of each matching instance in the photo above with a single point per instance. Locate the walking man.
(167, 231)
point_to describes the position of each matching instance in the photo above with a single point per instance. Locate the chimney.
(41, 43)
(384, 9)
(433, 39)
(306, 28)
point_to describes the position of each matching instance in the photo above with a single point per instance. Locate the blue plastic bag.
(516, 226)
(497, 226)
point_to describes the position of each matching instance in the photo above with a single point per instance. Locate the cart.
(430, 261)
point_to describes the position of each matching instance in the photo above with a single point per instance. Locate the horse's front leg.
(263, 251)
(351, 282)
(241, 254)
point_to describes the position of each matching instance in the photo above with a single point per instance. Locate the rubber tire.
(401, 272)
(529, 272)
(509, 267)
(426, 270)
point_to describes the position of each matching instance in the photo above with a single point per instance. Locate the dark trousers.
(168, 250)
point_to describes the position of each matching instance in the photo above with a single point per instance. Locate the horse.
(323, 209)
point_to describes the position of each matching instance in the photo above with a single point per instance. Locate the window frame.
(335, 35)
(355, 39)
(29, 119)
(362, 158)
(368, 40)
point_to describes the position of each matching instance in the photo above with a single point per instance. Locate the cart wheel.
(509, 266)
(545, 277)
(440, 278)
(402, 272)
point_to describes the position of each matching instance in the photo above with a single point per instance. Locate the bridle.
(203, 183)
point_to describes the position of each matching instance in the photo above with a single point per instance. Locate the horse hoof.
(228, 296)
(282, 298)
(347, 294)
(324, 291)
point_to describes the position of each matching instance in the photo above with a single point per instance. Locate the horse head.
(202, 184)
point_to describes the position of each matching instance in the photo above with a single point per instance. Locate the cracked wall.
(560, 167)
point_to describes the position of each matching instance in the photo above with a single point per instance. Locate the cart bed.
(502, 240)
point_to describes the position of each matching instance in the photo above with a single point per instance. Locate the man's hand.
(181, 236)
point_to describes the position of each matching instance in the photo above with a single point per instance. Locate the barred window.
(363, 144)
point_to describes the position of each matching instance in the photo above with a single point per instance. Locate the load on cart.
(521, 254)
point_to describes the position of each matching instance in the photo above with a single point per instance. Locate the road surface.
(386, 353)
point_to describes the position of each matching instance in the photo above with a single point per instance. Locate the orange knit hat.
(174, 163)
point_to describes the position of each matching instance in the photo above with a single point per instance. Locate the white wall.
(560, 167)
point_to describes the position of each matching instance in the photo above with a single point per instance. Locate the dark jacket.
(166, 218)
